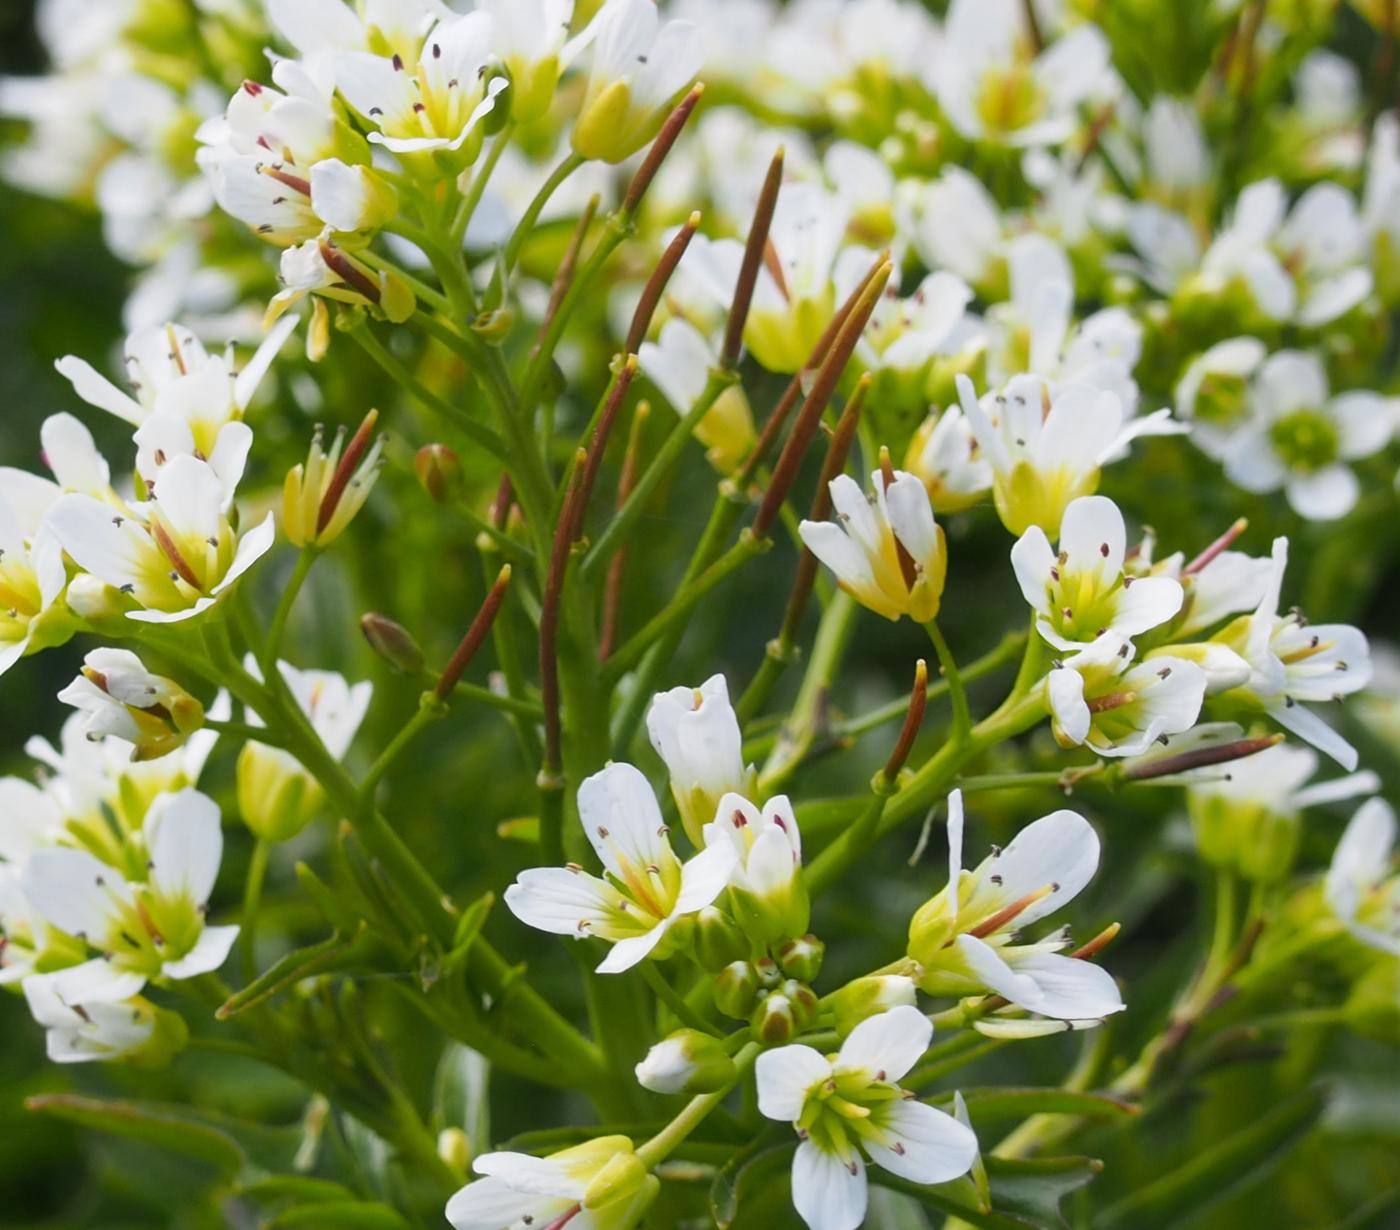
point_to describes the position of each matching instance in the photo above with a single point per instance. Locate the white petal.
(186, 845)
(1032, 559)
(1064, 690)
(252, 546)
(1146, 603)
(934, 1146)
(1069, 990)
(540, 1176)
(620, 815)
(703, 878)
(560, 901)
(629, 952)
(1306, 724)
(1329, 493)
(75, 892)
(886, 1046)
(97, 390)
(1061, 849)
(828, 1192)
(955, 849)
(210, 951)
(1362, 857)
(488, 1204)
(784, 1076)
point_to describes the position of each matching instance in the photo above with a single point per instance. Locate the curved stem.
(277, 629)
(660, 1146)
(252, 903)
(962, 715)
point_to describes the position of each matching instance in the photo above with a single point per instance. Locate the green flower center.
(1009, 98)
(1221, 398)
(1306, 440)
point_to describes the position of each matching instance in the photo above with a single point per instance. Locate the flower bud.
(396, 298)
(351, 198)
(276, 796)
(687, 1061)
(1268, 854)
(493, 327)
(392, 642)
(718, 939)
(736, 990)
(803, 1000)
(454, 1148)
(769, 975)
(696, 733)
(439, 470)
(802, 958)
(774, 1021)
(869, 996)
(622, 1178)
(97, 603)
(121, 697)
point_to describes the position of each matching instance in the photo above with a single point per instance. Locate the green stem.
(277, 629)
(666, 457)
(660, 1146)
(668, 995)
(962, 715)
(467, 209)
(429, 295)
(241, 730)
(252, 903)
(532, 211)
(429, 710)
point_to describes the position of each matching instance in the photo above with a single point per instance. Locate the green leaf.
(1211, 1175)
(1026, 1194)
(341, 1215)
(992, 1105)
(743, 1172)
(296, 1189)
(170, 1128)
(468, 928)
(333, 953)
(1033, 1189)
(461, 1094)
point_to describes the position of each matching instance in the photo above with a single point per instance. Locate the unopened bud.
(396, 298)
(718, 940)
(277, 798)
(392, 642)
(621, 1178)
(439, 469)
(736, 990)
(454, 1148)
(774, 1021)
(870, 996)
(687, 1061)
(769, 975)
(802, 958)
(803, 1000)
(493, 327)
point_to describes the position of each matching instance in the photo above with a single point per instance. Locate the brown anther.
(1114, 700)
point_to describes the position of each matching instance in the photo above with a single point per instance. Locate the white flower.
(647, 888)
(992, 90)
(1213, 392)
(277, 797)
(171, 374)
(687, 1061)
(317, 28)
(260, 156)
(1303, 264)
(679, 363)
(1291, 661)
(639, 66)
(1361, 887)
(965, 940)
(848, 1107)
(153, 929)
(528, 37)
(598, 1185)
(1042, 459)
(1099, 698)
(696, 733)
(945, 455)
(889, 553)
(1082, 591)
(87, 1023)
(1178, 158)
(120, 697)
(433, 104)
(176, 553)
(350, 197)
(32, 575)
(1273, 781)
(769, 897)
(1301, 437)
(955, 224)
(905, 335)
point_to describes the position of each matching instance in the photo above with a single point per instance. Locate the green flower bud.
(439, 469)
(718, 940)
(621, 1178)
(396, 298)
(736, 990)
(802, 958)
(769, 975)
(454, 1148)
(775, 1020)
(392, 642)
(803, 1001)
(866, 997)
(276, 796)
(687, 1061)
(493, 327)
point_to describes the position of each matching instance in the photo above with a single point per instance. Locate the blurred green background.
(61, 292)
